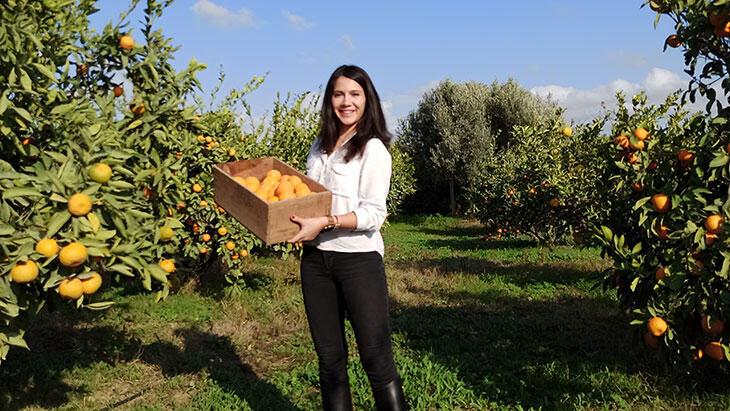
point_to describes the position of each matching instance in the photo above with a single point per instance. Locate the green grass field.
(478, 324)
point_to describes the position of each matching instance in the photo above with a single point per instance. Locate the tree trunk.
(452, 197)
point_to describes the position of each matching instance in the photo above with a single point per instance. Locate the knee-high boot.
(336, 397)
(390, 397)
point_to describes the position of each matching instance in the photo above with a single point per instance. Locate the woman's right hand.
(309, 228)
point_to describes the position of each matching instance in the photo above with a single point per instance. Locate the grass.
(477, 324)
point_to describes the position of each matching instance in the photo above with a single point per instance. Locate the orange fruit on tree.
(79, 204)
(91, 283)
(661, 273)
(126, 42)
(637, 186)
(206, 237)
(222, 231)
(713, 223)
(166, 233)
(656, 326)
(658, 6)
(673, 41)
(24, 272)
(622, 141)
(137, 109)
(168, 265)
(203, 250)
(230, 245)
(567, 131)
(118, 91)
(197, 188)
(100, 172)
(73, 255)
(710, 239)
(631, 158)
(662, 231)
(712, 326)
(554, 202)
(71, 289)
(47, 247)
(203, 203)
(641, 134)
(685, 157)
(715, 351)
(638, 145)
(661, 202)
(243, 253)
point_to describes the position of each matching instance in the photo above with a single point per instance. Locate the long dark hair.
(371, 125)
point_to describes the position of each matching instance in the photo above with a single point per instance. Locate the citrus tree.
(666, 189)
(540, 184)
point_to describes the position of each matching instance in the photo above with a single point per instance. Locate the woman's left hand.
(309, 228)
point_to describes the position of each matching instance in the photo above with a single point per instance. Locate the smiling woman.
(342, 264)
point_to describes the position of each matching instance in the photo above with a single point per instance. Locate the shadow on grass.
(541, 354)
(558, 272)
(471, 244)
(38, 378)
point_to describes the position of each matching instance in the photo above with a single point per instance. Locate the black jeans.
(334, 283)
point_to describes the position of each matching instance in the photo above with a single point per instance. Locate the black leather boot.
(336, 397)
(390, 397)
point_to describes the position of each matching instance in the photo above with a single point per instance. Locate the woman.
(342, 262)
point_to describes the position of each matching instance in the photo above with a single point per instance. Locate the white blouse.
(360, 186)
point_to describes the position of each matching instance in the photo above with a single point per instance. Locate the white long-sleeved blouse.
(360, 186)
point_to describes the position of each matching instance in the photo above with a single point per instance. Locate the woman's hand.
(309, 228)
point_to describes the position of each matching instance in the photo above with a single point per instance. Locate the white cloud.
(585, 104)
(221, 16)
(347, 41)
(297, 22)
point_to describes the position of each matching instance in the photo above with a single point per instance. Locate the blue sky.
(579, 52)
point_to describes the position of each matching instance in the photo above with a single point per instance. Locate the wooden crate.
(268, 221)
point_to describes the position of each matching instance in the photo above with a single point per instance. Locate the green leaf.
(134, 124)
(20, 192)
(719, 161)
(25, 81)
(634, 284)
(45, 71)
(4, 102)
(725, 266)
(639, 203)
(94, 222)
(94, 129)
(23, 113)
(57, 221)
(607, 233)
(636, 249)
(121, 269)
(103, 305)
